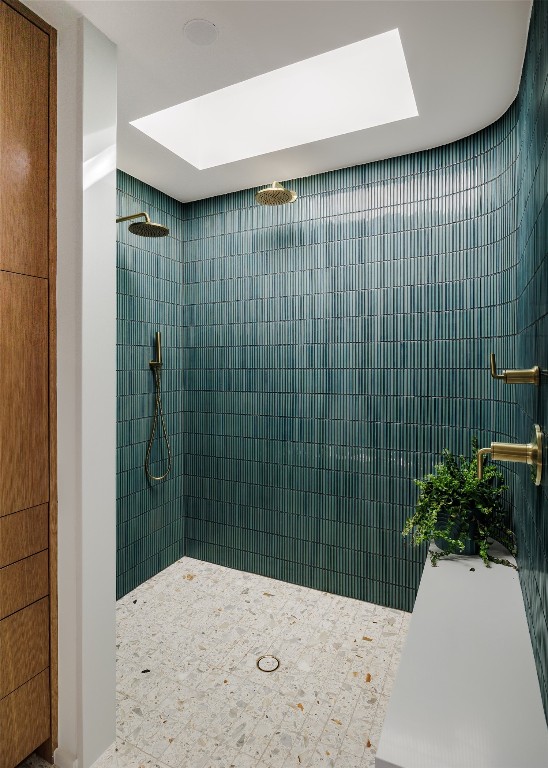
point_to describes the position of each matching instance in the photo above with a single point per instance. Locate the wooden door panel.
(23, 534)
(23, 583)
(24, 645)
(28, 470)
(24, 132)
(24, 720)
(24, 434)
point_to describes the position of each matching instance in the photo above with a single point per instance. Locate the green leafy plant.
(455, 506)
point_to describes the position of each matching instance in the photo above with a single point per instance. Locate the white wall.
(86, 383)
(98, 388)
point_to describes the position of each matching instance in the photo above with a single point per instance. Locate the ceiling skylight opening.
(342, 91)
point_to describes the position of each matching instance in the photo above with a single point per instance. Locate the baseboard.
(62, 758)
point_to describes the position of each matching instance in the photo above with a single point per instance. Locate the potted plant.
(460, 512)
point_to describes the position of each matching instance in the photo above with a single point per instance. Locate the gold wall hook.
(529, 453)
(519, 376)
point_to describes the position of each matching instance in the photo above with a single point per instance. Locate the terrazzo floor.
(190, 694)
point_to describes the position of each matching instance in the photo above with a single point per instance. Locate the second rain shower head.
(275, 194)
(145, 228)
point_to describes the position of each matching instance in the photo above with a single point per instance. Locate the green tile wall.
(531, 513)
(150, 522)
(333, 348)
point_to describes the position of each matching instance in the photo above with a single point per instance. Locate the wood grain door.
(24, 427)
(28, 469)
(24, 137)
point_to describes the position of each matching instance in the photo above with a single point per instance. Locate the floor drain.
(268, 663)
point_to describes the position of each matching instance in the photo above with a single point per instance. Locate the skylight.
(348, 89)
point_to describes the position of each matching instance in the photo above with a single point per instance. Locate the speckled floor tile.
(190, 694)
(34, 762)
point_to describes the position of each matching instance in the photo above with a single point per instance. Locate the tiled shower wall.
(331, 351)
(150, 525)
(531, 514)
(333, 348)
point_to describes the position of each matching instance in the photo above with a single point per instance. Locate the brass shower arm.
(134, 216)
(519, 376)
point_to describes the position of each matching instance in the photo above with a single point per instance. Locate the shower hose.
(158, 415)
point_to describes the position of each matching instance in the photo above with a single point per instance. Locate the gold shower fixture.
(146, 228)
(275, 194)
(519, 376)
(530, 453)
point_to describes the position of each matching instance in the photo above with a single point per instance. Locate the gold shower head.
(275, 194)
(145, 228)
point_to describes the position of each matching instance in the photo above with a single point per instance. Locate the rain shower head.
(145, 228)
(275, 194)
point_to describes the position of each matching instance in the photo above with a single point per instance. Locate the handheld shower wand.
(158, 360)
(156, 367)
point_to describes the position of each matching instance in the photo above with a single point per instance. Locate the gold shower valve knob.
(528, 453)
(518, 376)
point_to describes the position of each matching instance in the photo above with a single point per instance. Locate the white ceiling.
(464, 59)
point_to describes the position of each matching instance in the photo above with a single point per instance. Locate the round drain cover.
(267, 663)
